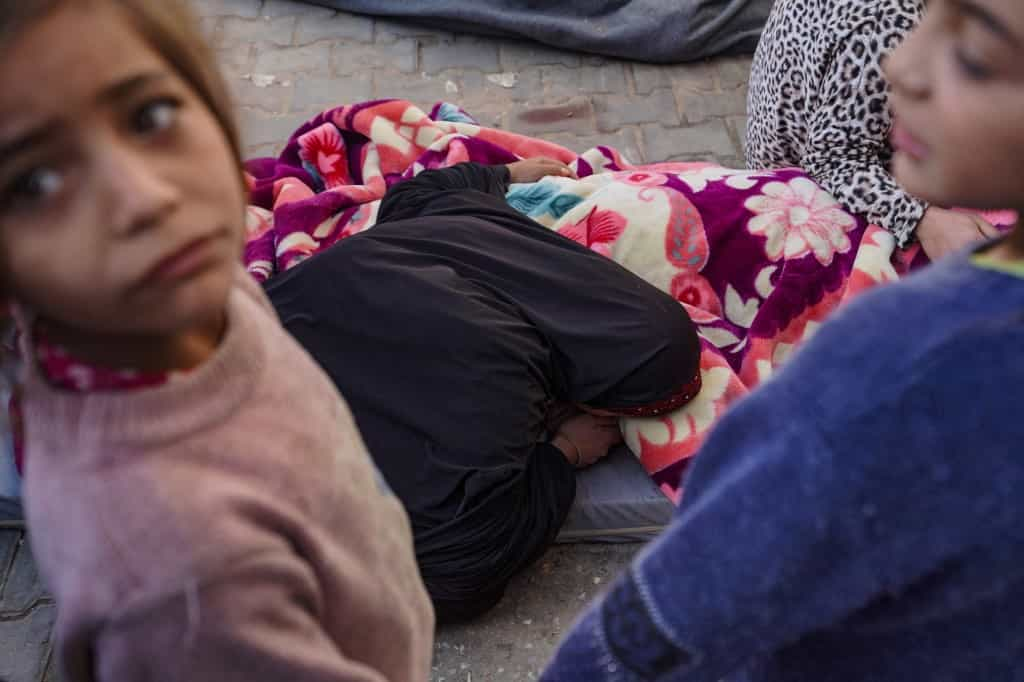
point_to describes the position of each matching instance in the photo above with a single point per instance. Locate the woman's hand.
(942, 232)
(532, 170)
(586, 438)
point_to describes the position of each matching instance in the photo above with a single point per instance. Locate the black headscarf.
(451, 327)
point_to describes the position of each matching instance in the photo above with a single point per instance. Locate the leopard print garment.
(819, 100)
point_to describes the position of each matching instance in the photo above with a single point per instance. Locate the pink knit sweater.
(227, 525)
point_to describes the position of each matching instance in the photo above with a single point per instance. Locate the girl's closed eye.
(971, 67)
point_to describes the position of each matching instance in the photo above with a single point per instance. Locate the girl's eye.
(36, 185)
(971, 68)
(156, 116)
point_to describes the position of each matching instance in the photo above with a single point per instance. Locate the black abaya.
(451, 327)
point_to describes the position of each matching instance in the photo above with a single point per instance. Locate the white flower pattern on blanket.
(798, 217)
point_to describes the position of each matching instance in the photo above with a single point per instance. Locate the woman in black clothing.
(457, 328)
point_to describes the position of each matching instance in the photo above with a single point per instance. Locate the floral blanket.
(759, 259)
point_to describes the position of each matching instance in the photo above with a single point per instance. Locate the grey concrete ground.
(286, 61)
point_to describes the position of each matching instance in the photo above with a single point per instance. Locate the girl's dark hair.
(170, 28)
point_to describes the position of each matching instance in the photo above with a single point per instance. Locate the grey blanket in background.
(644, 30)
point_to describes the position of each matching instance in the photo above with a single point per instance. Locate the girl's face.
(121, 206)
(958, 98)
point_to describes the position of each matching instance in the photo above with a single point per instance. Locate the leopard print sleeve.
(818, 100)
(847, 150)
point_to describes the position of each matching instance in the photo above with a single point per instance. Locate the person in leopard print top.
(819, 100)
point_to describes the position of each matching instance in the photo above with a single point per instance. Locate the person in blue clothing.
(861, 515)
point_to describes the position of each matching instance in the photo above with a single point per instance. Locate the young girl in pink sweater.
(200, 501)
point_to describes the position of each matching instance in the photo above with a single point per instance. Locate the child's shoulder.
(952, 293)
(937, 327)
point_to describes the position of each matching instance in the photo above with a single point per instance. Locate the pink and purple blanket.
(760, 259)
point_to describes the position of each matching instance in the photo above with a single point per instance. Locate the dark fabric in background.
(644, 30)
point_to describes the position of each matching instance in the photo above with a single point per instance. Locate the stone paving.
(286, 61)
(26, 614)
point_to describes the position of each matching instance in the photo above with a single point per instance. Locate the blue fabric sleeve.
(721, 582)
(824, 490)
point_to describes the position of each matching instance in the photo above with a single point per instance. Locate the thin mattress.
(616, 501)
